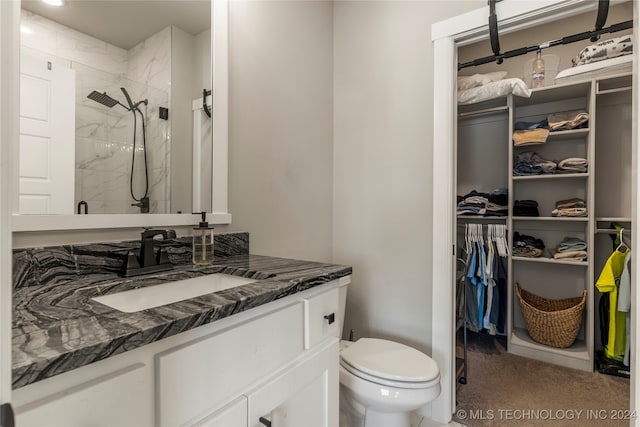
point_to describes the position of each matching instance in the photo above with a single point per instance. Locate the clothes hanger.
(622, 247)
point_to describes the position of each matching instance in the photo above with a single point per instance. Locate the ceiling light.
(54, 2)
(25, 30)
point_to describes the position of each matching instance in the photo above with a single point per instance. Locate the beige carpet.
(507, 390)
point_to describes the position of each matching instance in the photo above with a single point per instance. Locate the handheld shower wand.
(133, 106)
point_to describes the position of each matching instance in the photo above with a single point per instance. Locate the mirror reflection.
(115, 107)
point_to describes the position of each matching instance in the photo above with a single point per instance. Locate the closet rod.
(483, 111)
(621, 26)
(611, 231)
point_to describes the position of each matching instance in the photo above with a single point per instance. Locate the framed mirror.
(121, 121)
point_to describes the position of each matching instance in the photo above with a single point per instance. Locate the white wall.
(383, 115)
(280, 128)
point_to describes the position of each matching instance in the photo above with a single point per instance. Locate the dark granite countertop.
(57, 327)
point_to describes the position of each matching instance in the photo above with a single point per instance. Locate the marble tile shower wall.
(53, 265)
(104, 137)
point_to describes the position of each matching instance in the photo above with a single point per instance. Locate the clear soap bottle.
(538, 71)
(203, 242)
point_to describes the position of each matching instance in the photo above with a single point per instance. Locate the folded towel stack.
(571, 249)
(527, 246)
(530, 137)
(525, 208)
(569, 244)
(530, 163)
(568, 120)
(573, 165)
(570, 207)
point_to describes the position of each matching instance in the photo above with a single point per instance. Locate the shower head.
(103, 99)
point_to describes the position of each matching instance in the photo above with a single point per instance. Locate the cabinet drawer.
(322, 317)
(120, 399)
(200, 376)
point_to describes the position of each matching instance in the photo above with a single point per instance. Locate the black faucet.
(148, 260)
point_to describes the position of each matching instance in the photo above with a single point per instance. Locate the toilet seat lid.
(390, 360)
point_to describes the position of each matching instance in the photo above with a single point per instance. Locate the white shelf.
(551, 218)
(481, 218)
(563, 135)
(559, 92)
(550, 176)
(577, 356)
(549, 260)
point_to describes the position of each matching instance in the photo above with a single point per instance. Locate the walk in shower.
(122, 144)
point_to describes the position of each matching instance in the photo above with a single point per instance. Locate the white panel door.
(47, 137)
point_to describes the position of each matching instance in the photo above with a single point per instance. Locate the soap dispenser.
(203, 242)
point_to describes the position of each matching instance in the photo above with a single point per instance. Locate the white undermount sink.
(167, 293)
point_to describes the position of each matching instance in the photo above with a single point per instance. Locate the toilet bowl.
(382, 382)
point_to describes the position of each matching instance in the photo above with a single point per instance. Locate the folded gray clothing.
(570, 203)
(533, 159)
(471, 211)
(569, 244)
(567, 120)
(527, 251)
(574, 212)
(496, 207)
(475, 200)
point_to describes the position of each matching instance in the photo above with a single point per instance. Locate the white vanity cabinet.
(278, 362)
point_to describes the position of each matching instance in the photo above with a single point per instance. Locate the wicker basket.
(552, 322)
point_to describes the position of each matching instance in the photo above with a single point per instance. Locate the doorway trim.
(447, 35)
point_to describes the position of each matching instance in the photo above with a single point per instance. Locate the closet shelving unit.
(487, 128)
(546, 276)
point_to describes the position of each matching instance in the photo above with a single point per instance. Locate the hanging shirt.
(624, 302)
(609, 281)
(471, 292)
(481, 282)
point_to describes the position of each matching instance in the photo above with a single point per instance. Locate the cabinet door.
(121, 399)
(232, 415)
(304, 394)
(200, 376)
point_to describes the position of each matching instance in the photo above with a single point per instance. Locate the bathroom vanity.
(261, 352)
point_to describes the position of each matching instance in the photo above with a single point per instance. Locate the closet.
(486, 158)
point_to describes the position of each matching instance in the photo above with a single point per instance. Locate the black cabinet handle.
(265, 421)
(330, 318)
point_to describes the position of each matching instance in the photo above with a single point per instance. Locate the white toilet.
(382, 382)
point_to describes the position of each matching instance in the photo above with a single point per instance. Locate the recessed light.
(54, 2)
